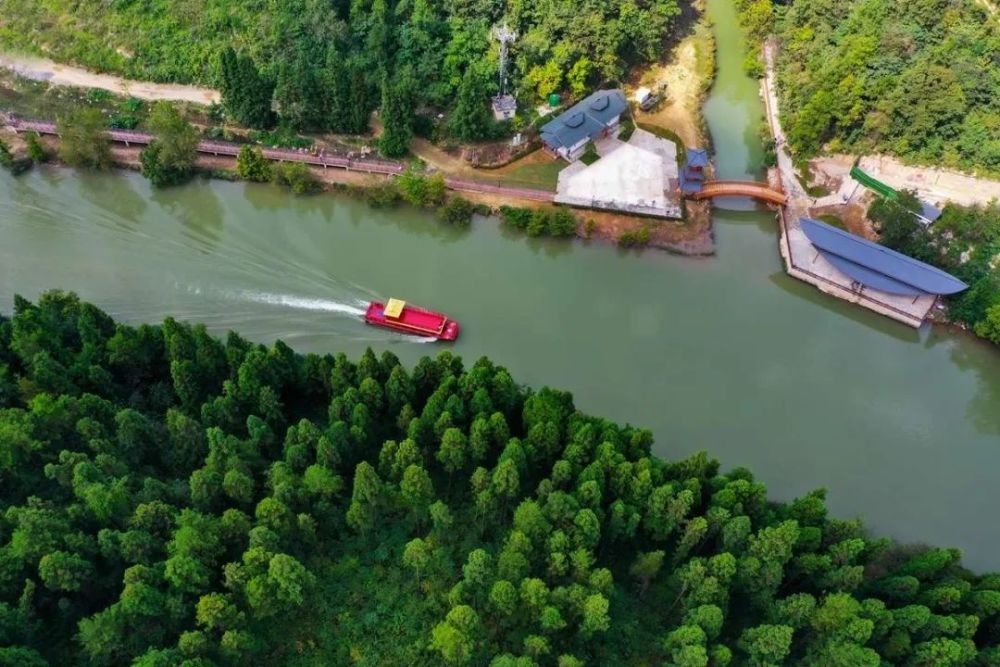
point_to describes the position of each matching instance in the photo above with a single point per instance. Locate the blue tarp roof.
(876, 266)
(584, 119)
(697, 157)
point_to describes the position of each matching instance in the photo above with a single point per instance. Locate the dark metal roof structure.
(583, 120)
(697, 157)
(929, 212)
(876, 266)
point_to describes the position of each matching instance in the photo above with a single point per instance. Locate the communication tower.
(504, 104)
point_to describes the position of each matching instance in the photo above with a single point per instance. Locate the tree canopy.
(169, 159)
(918, 79)
(964, 241)
(325, 62)
(172, 499)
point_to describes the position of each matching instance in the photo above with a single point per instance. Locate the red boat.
(399, 316)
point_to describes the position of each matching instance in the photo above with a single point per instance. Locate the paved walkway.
(789, 180)
(386, 167)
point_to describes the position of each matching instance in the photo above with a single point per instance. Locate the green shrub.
(457, 211)
(282, 137)
(6, 157)
(558, 222)
(157, 170)
(561, 222)
(634, 239)
(98, 96)
(518, 218)
(295, 176)
(628, 127)
(421, 190)
(36, 151)
(251, 165)
(383, 195)
(538, 224)
(83, 141)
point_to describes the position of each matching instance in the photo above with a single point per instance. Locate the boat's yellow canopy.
(394, 308)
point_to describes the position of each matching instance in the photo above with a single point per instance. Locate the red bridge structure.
(762, 191)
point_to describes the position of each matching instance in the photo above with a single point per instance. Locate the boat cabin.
(394, 308)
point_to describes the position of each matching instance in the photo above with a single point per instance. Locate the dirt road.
(41, 69)
(789, 180)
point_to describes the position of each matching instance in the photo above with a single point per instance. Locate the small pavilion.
(692, 176)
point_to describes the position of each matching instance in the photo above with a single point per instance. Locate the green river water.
(724, 354)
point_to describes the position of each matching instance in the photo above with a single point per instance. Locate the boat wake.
(303, 303)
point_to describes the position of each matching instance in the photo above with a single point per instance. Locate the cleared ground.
(41, 69)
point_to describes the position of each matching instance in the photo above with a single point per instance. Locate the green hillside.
(170, 499)
(919, 79)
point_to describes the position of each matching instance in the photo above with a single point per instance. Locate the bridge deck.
(720, 188)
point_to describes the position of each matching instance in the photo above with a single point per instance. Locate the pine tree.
(246, 95)
(299, 95)
(359, 108)
(470, 120)
(396, 117)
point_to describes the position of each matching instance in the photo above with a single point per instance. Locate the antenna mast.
(506, 36)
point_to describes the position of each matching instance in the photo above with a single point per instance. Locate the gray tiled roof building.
(596, 115)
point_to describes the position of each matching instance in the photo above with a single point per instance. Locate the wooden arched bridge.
(753, 189)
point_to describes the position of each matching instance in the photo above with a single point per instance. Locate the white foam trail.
(303, 303)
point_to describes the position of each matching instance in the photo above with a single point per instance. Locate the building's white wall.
(576, 150)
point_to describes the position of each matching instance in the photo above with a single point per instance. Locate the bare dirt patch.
(853, 217)
(42, 69)
(683, 74)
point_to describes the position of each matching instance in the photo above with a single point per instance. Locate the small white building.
(504, 107)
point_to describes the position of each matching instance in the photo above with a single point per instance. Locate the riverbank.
(692, 237)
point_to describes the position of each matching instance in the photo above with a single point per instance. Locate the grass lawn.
(544, 176)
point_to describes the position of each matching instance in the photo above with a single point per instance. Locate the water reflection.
(197, 207)
(115, 196)
(747, 213)
(873, 321)
(974, 355)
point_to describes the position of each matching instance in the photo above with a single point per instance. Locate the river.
(724, 354)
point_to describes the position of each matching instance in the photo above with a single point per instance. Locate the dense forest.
(919, 79)
(329, 63)
(172, 499)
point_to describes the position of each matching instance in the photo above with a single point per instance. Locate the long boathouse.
(863, 272)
